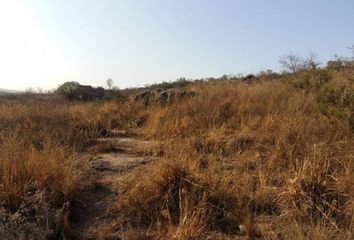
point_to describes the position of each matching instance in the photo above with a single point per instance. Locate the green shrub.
(179, 83)
(312, 79)
(68, 89)
(337, 102)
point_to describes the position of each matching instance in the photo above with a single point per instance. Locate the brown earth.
(92, 215)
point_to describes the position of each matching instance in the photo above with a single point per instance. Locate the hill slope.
(7, 92)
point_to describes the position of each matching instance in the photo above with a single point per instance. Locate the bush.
(337, 102)
(69, 90)
(179, 83)
(312, 79)
(75, 91)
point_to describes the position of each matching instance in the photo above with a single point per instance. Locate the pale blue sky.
(136, 42)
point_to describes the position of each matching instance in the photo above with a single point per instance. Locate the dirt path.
(93, 213)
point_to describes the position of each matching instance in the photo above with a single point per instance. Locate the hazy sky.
(45, 42)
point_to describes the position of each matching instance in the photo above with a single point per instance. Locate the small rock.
(243, 229)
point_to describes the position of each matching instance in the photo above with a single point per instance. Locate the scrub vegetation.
(267, 156)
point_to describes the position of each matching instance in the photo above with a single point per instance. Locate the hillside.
(266, 156)
(4, 92)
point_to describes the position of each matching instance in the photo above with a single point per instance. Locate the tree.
(291, 62)
(68, 89)
(109, 83)
(311, 61)
(352, 48)
(294, 63)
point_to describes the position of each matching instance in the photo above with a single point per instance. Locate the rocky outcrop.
(162, 97)
(86, 92)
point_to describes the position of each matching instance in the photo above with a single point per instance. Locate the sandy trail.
(93, 213)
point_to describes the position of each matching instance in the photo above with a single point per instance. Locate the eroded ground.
(105, 162)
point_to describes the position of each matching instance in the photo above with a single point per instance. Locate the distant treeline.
(291, 64)
(76, 91)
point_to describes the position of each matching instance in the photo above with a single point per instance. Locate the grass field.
(270, 157)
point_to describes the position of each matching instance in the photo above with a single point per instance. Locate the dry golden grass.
(172, 202)
(40, 139)
(268, 159)
(285, 165)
